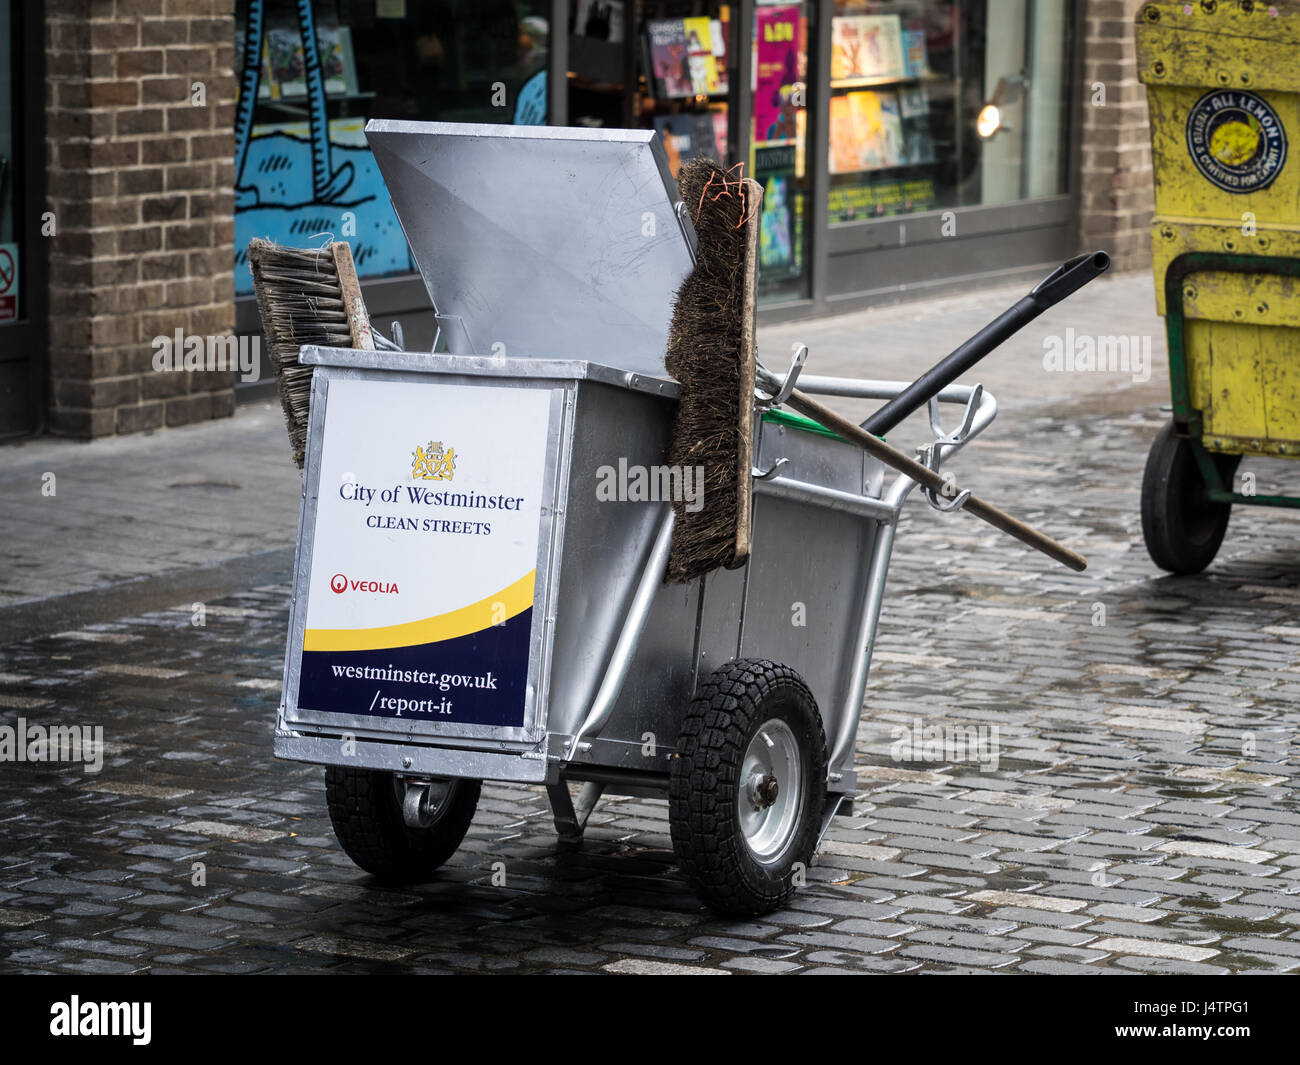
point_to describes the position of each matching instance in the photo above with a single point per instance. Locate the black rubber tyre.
(1182, 527)
(367, 815)
(705, 786)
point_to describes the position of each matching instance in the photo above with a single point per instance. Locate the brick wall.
(1116, 195)
(140, 180)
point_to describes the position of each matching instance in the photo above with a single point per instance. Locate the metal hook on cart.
(967, 417)
(932, 453)
(781, 391)
(770, 472)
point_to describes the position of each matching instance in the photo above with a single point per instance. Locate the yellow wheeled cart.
(1223, 94)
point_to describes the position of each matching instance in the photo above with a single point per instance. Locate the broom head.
(711, 354)
(305, 296)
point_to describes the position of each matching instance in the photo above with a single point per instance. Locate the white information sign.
(424, 552)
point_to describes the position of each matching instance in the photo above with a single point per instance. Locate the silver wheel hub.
(768, 800)
(423, 801)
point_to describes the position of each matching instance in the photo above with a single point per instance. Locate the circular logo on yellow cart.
(1236, 140)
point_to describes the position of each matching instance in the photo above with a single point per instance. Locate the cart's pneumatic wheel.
(366, 808)
(747, 787)
(1181, 525)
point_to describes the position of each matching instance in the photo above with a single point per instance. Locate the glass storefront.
(302, 167)
(938, 105)
(665, 65)
(856, 116)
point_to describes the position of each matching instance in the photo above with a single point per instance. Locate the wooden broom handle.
(923, 475)
(353, 304)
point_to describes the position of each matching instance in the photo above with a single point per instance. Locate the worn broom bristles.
(711, 354)
(301, 301)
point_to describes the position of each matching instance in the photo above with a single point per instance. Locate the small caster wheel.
(1181, 525)
(747, 786)
(400, 834)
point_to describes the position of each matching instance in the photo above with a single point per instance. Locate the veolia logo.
(340, 584)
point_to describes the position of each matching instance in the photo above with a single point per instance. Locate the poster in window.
(776, 73)
(781, 221)
(669, 60)
(699, 49)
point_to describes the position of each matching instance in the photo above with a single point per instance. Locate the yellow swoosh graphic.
(513, 599)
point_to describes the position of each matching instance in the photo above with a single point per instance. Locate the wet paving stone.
(1142, 814)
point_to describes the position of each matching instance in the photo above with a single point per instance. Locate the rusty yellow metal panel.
(1247, 299)
(1182, 189)
(1170, 238)
(1223, 97)
(1251, 397)
(1245, 384)
(1224, 45)
(1236, 388)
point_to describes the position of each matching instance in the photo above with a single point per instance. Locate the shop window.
(654, 64)
(778, 152)
(938, 105)
(311, 74)
(669, 65)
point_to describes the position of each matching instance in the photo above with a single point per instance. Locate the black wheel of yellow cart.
(747, 787)
(366, 809)
(1181, 525)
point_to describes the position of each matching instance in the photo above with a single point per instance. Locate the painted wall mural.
(295, 181)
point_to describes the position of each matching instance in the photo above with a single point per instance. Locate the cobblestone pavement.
(1142, 815)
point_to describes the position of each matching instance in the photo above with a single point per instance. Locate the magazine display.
(916, 63)
(867, 46)
(688, 57)
(866, 132)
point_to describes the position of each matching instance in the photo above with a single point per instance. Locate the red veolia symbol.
(339, 583)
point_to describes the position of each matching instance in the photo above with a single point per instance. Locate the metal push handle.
(1064, 281)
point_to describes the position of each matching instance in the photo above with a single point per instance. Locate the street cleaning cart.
(1224, 102)
(479, 585)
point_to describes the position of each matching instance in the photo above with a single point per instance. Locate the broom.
(305, 296)
(711, 353)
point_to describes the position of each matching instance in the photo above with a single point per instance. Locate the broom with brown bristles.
(711, 353)
(305, 296)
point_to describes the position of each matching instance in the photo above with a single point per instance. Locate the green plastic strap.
(798, 421)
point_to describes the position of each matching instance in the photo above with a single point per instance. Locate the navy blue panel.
(479, 679)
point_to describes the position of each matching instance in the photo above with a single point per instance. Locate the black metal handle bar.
(1064, 281)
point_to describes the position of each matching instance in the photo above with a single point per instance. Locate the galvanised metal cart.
(427, 653)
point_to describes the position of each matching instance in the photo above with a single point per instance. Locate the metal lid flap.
(539, 241)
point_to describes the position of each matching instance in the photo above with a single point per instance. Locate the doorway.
(23, 347)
